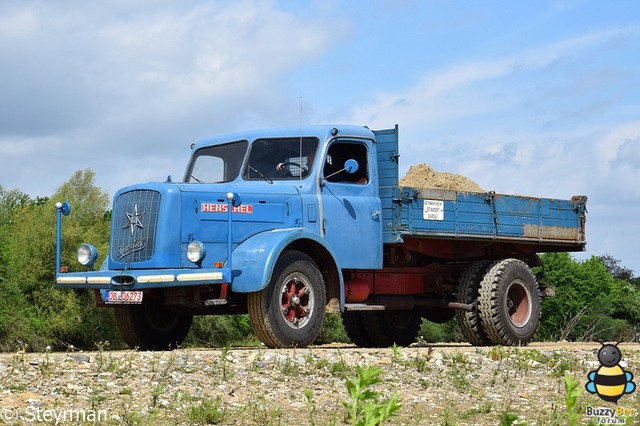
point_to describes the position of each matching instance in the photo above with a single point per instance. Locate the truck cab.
(247, 201)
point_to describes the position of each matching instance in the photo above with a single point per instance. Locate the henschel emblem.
(134, 219)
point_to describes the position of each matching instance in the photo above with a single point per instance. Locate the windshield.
(280, 159)
(216, 164)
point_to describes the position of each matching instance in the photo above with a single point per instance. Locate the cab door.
(351, 208)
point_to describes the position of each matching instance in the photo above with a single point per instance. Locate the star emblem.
(134, 219)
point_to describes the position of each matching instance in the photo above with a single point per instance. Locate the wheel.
(467, 292)
(150, 326)
(355, 328)
(290, 310)
(385, 328)
(509, 303)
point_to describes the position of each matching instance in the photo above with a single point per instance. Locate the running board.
(363, 307)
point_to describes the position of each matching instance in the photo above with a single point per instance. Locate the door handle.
(375, 214)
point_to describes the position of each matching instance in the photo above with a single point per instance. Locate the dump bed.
(458, 225)
(550, 224)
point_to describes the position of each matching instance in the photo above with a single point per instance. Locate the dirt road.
(437, 384)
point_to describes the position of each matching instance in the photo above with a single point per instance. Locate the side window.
(338, 154)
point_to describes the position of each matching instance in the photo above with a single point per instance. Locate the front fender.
(255, 259)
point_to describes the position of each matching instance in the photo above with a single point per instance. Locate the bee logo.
(610, 381)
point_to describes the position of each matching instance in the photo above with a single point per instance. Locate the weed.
(572, 391)
(497, 353)
(560, 366)
(96, 397)
(156, 391)
(484, 408)
(364, 408)
(45, 367)
(311, 406)
(100, 357)
(421, 363)
(461, 371)
(448, 418)
(208, 412)
(224, 365)
(507, 418)
(395, 354)
(20, 358)
(288, 366)
(261, 414)
(132, 417)
(160, 378)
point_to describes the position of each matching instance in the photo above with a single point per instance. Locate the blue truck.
(289, 224)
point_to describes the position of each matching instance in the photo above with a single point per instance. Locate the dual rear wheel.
(506, 303)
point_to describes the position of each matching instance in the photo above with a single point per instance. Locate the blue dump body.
(436, 213)
(549, 224)
(321, 208)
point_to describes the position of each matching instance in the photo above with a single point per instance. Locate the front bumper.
(143, 279)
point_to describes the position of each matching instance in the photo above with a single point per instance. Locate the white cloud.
(447, 94)
(133, 79)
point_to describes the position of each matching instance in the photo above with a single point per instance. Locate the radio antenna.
(300, 160)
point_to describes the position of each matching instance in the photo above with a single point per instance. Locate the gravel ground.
(436, 384)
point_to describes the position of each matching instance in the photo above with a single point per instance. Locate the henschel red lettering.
(222, 208)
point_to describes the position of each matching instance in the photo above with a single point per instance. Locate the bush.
(432, 332)
(220, 331)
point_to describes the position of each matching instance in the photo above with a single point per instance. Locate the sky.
(537, 98)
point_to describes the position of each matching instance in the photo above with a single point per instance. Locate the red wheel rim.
(518, 303)
(296, 300)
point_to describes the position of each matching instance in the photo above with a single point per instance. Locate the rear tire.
(356, 330)
(509, 303)
(468, 292)
(289, 312)
(150, 326)
(386, 328)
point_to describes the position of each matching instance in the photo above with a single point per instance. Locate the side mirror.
(351, 166)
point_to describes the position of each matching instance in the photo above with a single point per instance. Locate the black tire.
(150, 326)
(355, 328)
(289, 312)
(509, 303)
(468, 292)
(386, 328)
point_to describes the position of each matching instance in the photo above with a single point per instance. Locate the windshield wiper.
(260, 174)
(196, 179)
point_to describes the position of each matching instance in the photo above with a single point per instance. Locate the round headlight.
(87, 255)
(196, 252)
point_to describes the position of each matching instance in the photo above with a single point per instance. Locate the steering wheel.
(304, 170)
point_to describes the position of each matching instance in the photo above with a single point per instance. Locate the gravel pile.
(440, 384)
(423, 176)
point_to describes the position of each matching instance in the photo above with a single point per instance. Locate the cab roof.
(321, 131)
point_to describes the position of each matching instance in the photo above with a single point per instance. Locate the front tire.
(509, 303)
(289, 312)
(150, 326)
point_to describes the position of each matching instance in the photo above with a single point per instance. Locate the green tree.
(587, 297)
(44, 314)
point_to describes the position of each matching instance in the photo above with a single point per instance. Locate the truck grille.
(135, 218)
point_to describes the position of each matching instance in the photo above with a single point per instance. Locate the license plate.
(118, 297)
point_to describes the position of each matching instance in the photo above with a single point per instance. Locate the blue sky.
(527, 97)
